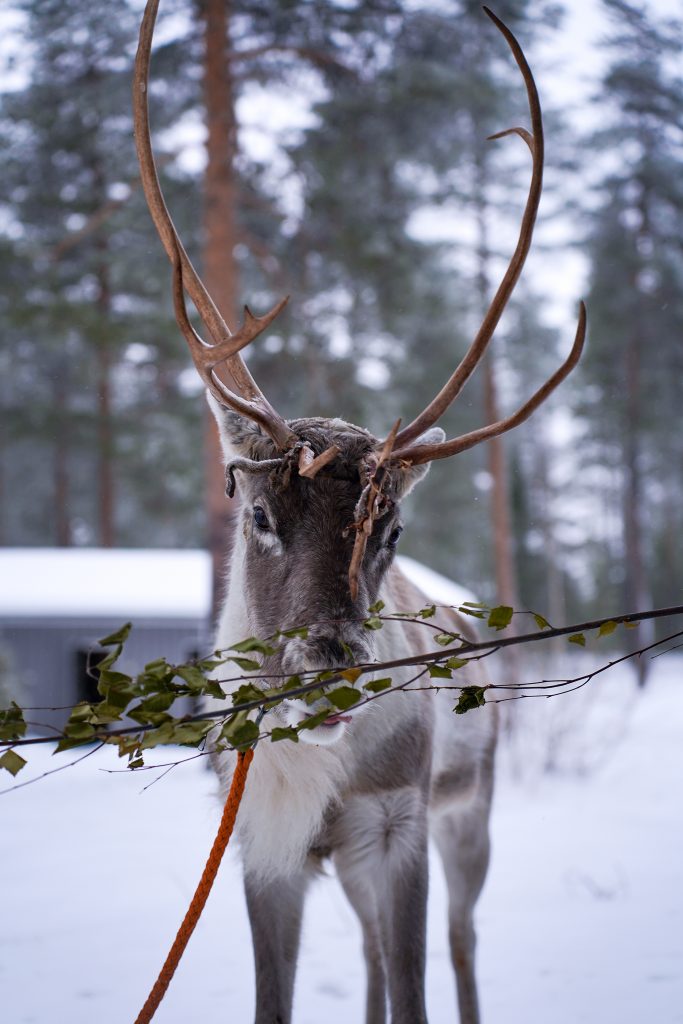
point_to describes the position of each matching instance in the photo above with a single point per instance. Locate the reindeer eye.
(392, 539)
(260, 518)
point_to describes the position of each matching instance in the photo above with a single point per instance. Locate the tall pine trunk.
(62, 519)
(636, 590)
(219, 270)
(105, 431)
(503, 548)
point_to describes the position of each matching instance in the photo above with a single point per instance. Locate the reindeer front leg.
(403, 908)
(275, 911)
(380, 854)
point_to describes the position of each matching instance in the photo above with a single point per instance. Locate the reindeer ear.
(240, 438)
(413, 474)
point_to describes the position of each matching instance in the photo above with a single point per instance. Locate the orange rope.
(203, 889)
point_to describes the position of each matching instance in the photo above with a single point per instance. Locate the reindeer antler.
(224, 347)
(404, 448)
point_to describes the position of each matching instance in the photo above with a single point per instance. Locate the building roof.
(433, 585)
(96, 582)
(158, 583)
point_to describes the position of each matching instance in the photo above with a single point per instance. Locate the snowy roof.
(92, 582)
(433, 585)
(161, 583)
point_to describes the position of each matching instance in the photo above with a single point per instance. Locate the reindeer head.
(296, 538)
(321, 509)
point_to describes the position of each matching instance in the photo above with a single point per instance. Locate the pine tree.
(94, 376)
(633, 370)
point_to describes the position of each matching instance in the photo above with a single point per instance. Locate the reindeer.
(319, 523)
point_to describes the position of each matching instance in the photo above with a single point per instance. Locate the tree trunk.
(218, 263)
(62, 519)
(504, 565)
(105, 435)
(503, 555)
(636, 590)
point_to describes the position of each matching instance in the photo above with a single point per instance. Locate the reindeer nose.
(332, 651)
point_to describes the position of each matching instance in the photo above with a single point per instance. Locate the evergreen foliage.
(631, 393)
(102, 420)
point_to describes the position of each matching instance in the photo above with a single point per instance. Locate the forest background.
(346, 164)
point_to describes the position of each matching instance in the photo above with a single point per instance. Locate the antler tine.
(420, 453)
(454, 385)
(251, 402)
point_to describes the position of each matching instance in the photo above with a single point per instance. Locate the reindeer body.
(404, 765)
(319, 523)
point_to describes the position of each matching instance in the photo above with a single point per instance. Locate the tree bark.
(636, 589)
(105, 433)
(220, 236)
(504, 565)
(60, 467)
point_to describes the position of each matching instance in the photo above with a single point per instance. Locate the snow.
(580, 922)
(94, 582)
(438, 587)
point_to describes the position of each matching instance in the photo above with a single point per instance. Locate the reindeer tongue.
(333, 719)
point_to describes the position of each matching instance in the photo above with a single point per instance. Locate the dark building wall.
(47, 657)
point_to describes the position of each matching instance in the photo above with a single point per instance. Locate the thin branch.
(466, 648)
(52, 771)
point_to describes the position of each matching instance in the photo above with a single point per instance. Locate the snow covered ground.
(581, 919)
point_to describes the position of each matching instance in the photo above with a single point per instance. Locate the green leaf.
(104, 713)
(577, 638)
(607, 628)
(444, 639)
(376, 607)
(188, 734)
(246, 664)
(239, 730)
(439, 672)
(156, 737)
(12, 762)
(500, 617)
(286, 733)
(154, 718)
(300, 631)
(110, 683)
(373, 622)
(253, 643)
(75, 735)
(315, 720)
(137, 762)
(471, 611)
(12, 724)
(116, 702)
(344, 697)
(119, 637)
(471, 697)
(194, 678)
(428, 612)
(245, 735)
(456, 663)
(541, 621)
(376, 685)
(474, 604)
(247, 692)
(631, 625)
(293, 683)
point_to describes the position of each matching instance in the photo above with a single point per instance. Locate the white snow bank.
(580, 922)
(93, 582)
